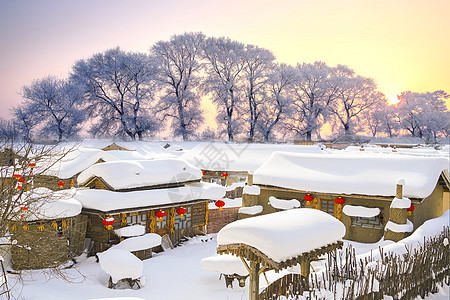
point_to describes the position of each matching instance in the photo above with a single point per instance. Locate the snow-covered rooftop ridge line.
(283, 204)
(106, 201)
(239, 157)
(369, 174)
(361, 211)
(284, 235)
(140, 173)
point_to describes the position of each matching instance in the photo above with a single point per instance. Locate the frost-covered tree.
(424, 115)
(119, 92)
(51, 105)
(312, 95)
(278, 99)
(179, 65)
(258, 64)
(376, 119)
(224, 64)
(354, 95)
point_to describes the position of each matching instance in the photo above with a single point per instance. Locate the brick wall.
(218, 219)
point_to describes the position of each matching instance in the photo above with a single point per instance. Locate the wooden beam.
(245, 264)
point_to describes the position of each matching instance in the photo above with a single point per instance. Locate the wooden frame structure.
(260, 262)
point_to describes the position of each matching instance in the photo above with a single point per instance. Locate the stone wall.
(218, 219)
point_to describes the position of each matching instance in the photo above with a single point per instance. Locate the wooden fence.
(418, 272)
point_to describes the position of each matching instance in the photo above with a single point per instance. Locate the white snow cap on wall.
(251, 210)
(251, 190)
(283, 204)
(284, 235)
(372, 174)
(408, 227)
(106, 201)
(139, 173)
(361, 211)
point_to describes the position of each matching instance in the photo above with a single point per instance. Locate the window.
(327, 206)
(216, 181)
(185, 222)
(163, 223)
(137, 218)
(374, 222)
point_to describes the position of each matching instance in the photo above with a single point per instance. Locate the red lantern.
(410, 209)
(21, 179)
(220, 204)
(23, 208)
(19, 186)
(339, 200)
(17, 176)
(32, 165)
(160, 214)
(224, 174)
(181, 211)
(308, 198)
(108, 222)
(61, 184)
(203, 172)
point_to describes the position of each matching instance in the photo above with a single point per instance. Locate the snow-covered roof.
(239, 157)
(120, 264)
(141, 173)
(284, 235)
(44, 204)
(374, 174)
(108, 201)
(138, 243)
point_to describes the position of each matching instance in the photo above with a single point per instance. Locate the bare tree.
(278, 99)
(50, 105)
(179, 65)
(224, 65)
(119, 92)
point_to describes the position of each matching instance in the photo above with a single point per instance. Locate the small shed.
(280, 240)
(365, 183)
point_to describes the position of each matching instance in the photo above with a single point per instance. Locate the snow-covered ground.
(175, 274)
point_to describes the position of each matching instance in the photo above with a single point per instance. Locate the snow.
(46, 204)
(251, 190)
(235, 185)
(104, 200)
(239, 157)
(132, 174)
(400, 203)
(129, 231)
(251, 210)
(138, 243)
(408, 227)
(284, 235)
(225, 264)
(360, 211)
(370, 174)
(401, 181)
(284, 204)
(120, 264)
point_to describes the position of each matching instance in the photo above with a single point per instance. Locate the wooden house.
(163, 195)
(365, 182)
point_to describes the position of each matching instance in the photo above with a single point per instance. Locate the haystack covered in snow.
(365, 183)
(163, 195)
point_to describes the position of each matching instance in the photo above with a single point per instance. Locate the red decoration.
(220, 204)
(308, 198)
(61, 184)
(160, 214)
(203, 172)
(23, 208)
(339, 200)
(225, 174)
(17, 176)
(410, 209)
(108, 222)
(19, 186)
(181, 211)
(32, 165)
(21, 179)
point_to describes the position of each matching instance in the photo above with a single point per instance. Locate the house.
(365, 182)
(163, 195)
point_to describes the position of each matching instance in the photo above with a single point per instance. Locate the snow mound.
(284, 204)
(360, 211)
(284, 235)
(138, 173)
(138, 243)
(128, 231)
(401, 203)
(251, 190)
(408, 227)
(234, 186)
(120, 264)
(251, 210)
(226, 264)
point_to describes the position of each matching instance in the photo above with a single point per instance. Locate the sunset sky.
(402, 44)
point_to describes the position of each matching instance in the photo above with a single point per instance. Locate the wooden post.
(254, 281)
(397, 215)
(250, 178)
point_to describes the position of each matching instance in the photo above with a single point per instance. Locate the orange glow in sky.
(402, 44)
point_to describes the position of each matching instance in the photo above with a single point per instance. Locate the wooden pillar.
(250, 178)
(254, 281)
(397, 215)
